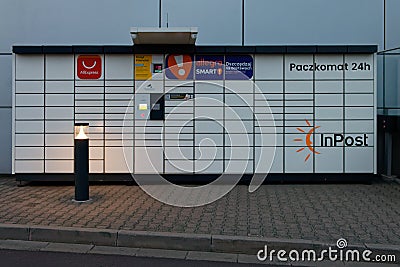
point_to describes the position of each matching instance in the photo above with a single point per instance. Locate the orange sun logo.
(308, 140)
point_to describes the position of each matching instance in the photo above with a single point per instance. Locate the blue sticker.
(209, 67)
(239, 67)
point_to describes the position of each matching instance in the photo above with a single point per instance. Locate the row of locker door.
(129, 159)
(153, 159)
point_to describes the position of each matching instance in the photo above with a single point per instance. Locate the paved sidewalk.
(38, 251)
(359, 213)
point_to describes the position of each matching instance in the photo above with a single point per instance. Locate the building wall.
(5, 113)
(219, 22)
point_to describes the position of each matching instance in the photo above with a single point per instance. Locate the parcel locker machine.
(147, 100)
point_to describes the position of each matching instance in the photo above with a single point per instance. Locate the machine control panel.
(150, 107)
(142, 103)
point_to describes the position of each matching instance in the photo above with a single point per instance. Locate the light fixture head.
(81, 130)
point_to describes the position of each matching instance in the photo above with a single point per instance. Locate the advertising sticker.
(209, 67)
(179, 67)
(239, 67)
(89, 67)
(143, 67)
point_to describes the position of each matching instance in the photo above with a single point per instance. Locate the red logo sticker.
(89, 67)
(179, 67)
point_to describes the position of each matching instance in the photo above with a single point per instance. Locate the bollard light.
(81, 162)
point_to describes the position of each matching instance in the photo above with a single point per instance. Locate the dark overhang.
(199, 49)
(162, 35)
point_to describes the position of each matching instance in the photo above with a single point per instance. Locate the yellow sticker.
(143, 67)
(142, 106)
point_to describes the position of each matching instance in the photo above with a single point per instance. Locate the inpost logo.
(328, 140)
(308, 142)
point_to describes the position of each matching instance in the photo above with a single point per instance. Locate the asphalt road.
(17, 258)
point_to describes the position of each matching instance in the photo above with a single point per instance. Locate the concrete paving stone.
(161, 253)
(251, 245)
(369, 264)
(105, 250)
(383, 247)
(252, 259)
(178, 241)
(73, 235)
(14, 231)
(211, 256)
(22, 245)
(324, 263)
(70, 248)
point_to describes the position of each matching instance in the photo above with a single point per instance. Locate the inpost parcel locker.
(142, 104)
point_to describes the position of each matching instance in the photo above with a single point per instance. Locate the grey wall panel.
(5, 113)
(314, 22)
(302, 22)
(5, 81)
(219, 21)
(392, 82)
(5, 137)
(393, 24)
(89, 22)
